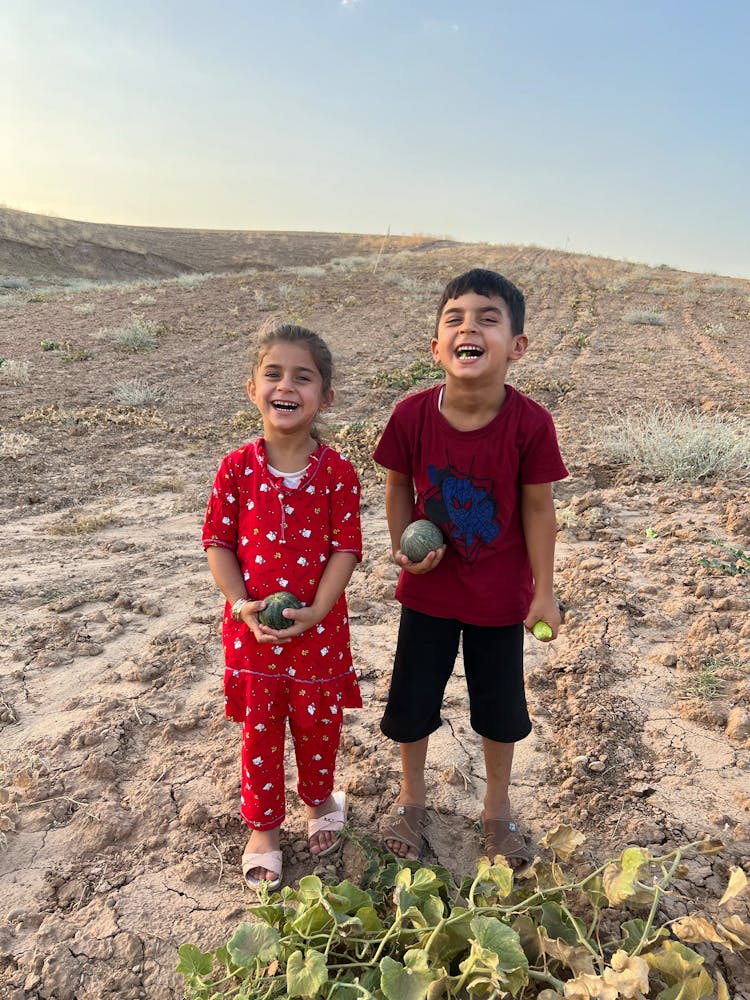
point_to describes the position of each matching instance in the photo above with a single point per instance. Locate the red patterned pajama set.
(283, 539)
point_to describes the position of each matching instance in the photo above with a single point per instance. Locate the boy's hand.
(429, 562)
(544, 610)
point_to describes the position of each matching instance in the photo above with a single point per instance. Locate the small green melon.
(419, 538)
(275, 603)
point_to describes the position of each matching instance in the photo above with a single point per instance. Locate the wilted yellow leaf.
(583, 987)
(722, 990)
(737, 882)
(563, 840)
(629, 974)
(620, 877)
(695, 929)
(577, 958)
(734, 932)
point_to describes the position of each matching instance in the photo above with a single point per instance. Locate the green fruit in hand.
(420, 538)
(542, 631)
(275, 603)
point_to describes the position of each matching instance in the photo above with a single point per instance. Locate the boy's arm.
(399, 505)
(540, 531)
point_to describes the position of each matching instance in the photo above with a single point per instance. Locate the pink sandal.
(333, 821)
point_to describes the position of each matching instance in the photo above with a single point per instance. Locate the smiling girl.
(284, 515)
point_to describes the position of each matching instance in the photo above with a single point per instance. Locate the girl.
(284, 515)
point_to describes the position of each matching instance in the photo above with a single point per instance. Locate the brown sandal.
(405, 823)
(502, 836)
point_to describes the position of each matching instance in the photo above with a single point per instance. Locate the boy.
(481, 458)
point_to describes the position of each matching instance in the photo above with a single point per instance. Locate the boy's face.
(475, 340)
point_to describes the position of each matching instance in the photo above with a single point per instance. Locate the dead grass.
(84, 524)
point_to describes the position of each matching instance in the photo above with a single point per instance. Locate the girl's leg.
(262, 799)
(316, 748)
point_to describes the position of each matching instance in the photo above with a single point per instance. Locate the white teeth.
(285, 406)
(469, 352)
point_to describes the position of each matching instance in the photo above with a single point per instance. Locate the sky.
(605, 127)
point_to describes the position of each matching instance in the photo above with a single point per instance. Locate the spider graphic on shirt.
(464, 508)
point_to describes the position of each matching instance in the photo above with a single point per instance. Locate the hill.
(40, 246)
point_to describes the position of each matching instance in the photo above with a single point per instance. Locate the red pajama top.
(283, 539)
(469, 484)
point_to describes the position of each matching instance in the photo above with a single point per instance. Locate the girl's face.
(287, 388)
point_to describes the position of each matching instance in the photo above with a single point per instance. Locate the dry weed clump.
(136, 336)
(678, 445)
(14, 445)
(15, 372)
(646, 317)
(83, 524)
(137, 392)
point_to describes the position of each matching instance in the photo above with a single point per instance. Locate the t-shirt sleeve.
(346, 528)
(222, 513)
(393, 451)
(541, 461)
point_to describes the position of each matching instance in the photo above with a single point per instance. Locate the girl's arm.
(540, 531)
(399, 506)
(227, 575)
(332, 584)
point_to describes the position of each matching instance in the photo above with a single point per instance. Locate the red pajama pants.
(316, 743)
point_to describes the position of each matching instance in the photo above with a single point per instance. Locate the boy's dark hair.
(491, 284)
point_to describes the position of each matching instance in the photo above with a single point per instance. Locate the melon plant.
(420, 538)
(272, 615)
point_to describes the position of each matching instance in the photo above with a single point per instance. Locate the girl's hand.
(300, 620)
(429, 562)
(249, 615)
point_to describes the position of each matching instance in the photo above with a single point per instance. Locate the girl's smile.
(287, 388)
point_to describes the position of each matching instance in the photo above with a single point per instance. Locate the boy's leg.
(425, 655)
(413, 790)
(498, 761)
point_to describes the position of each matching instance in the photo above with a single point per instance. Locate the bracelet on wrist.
(236, 610)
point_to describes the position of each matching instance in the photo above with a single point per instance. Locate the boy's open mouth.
(283, 406)
(468, 351)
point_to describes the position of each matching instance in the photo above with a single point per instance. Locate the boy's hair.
(492, 285)
(289, 333)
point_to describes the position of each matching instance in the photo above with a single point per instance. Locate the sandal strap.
(502, 836)
(405, 823)
(270, 861)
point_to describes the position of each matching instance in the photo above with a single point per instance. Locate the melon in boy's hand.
(419, 539)
(272, 615)
(542, 631)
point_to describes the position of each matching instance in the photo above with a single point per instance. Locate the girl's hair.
(289, 333)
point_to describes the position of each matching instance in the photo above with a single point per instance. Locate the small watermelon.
(419, 538)
(275, 603)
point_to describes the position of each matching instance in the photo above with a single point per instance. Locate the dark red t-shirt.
(469, 483)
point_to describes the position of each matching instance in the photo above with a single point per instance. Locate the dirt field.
(120, 777)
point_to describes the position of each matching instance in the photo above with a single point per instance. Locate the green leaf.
(632, 931)
(499, 875)
(194, 962)
(305, 977)
(594, 890)
(456, 932)
(619, 878)
(348, 897)
(559, 924)
(267, 913)
(310, 889)
(311, 919)
(253, 943)
(528, 935)
(492, 935)
(368, 917)
(425, 883)
(682, 968)
(409, 981)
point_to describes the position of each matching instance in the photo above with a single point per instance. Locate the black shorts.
(425, 656)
